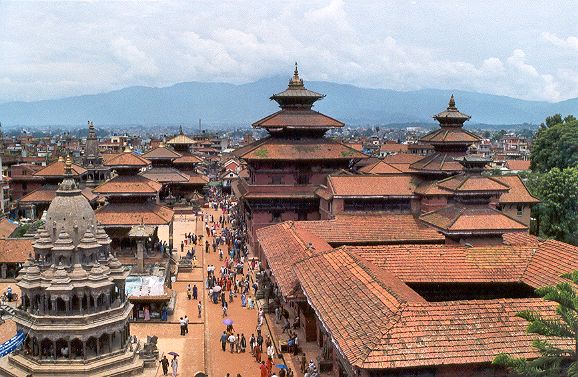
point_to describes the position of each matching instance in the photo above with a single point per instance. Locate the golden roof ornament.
(60, 159)
(295, 80)
(452, 103)
(68, 165)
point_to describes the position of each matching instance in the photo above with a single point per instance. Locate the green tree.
(553, 361)
(556, 145)
(557, 211)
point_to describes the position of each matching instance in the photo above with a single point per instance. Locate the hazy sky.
(524, 49)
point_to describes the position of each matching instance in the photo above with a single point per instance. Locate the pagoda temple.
(176, 172)
(287, 167)
(92, 160)
(73, 310)
(449, 141)
(132, 200)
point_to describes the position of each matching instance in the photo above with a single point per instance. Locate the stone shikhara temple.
(73, 304)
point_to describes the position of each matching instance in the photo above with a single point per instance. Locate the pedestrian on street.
(270, 351)
(252, 343)
(165, 364)
(243, 343)
(224, 341)
(199, 306)
(195, 292)
(232, 340)
(182, 323)
(175, 365)
(187, 325)
(225, 307)
(189, 292)
(263, 369)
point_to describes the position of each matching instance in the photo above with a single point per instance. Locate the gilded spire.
(452, 103)
(181, 130)
(295, 80)
(68, 166)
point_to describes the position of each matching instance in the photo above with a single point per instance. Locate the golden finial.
(295, 80)
(180, 130)
(452, 104)
(60, 159)
(68, 165)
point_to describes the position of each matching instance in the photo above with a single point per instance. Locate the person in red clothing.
(269, 365)
(263, 369)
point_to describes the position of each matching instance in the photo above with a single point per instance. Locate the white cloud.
(61, 49)
(570, 43)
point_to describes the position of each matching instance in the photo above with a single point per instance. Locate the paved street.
(201, 349)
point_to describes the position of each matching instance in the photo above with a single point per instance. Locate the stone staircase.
(122, 364)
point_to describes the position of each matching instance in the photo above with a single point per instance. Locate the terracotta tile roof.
(431, 189)
(371, 229)
(457, 333)
(47, 193)
(518, 165)
(450, 263)
(7, 227)
(381, 167)
(125, 184)
(283, 245)
(109, 156)
(165, 175)
(187, 159)
(128, 214)
(371, 186)
(354, 300)
(15, 250)
(161, 153)
(298, 119)
(356, 146)
(304, 149)
(393, 147)
(243, 189)
(377, 322)
(56, 169)
(437, 162)
(181, 139)
(459, 219)
(198, 179)
(519, 238)
(126, 159)
(518, 192)
(464, 183)
(402, 158)
(450, 135)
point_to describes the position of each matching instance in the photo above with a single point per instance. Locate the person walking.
(232, 340)
(200, 307)
(182, 323)
(270, 351)
(224, 341)
(165, 364)
(195, 292)
(243, 343)
(190, 292)
(175, 365)
(186, 325)
(252, 343)
(263, 369)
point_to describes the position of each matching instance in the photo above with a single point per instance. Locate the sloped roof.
(187, 159)
(7, 227)
(402, 158)
(129, 214)
(165, 175)
(303, 118)
(518, 165)
(15, 250)
(347, 229)
(135, 184)
(46, 194)
(161, 153)
(437, 162)
(472, 183)
(381, 167)
(450, 135)
(283, 246)
(460, 219)
(126, 159)
(518, 192)
(371, 186)
(181, 139)
(271, 148)
(56, 169)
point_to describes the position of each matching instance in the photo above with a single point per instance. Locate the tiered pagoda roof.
(181, 139)
(126, 160)
(296, 113)
(449, 141)
(129, 185)
(161, 153)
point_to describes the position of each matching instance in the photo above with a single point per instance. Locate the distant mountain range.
(228, 104)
